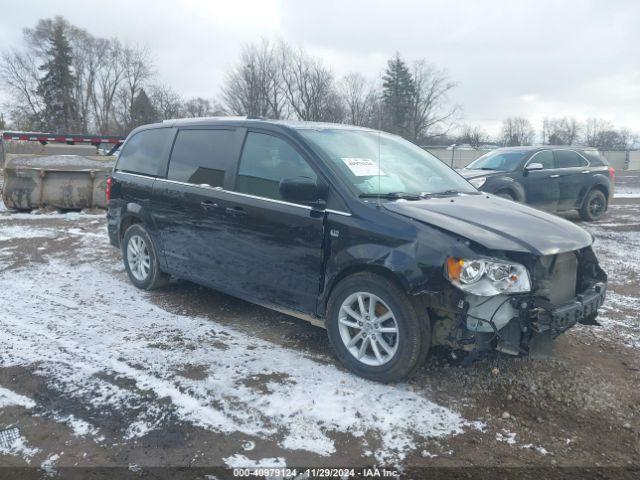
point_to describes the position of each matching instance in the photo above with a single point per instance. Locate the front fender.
(417, 265)
(496, 184)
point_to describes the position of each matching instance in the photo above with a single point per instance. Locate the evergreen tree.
(142, 111)
(398, 91)
(56, 86)
(3, 125)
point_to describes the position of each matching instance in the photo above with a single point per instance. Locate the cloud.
(531, 57)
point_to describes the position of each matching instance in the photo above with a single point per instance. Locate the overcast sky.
(533, 58)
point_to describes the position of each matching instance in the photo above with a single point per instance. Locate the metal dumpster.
(69, 182)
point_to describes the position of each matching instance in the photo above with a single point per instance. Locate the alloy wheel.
(368, 328)
(596, 207)
(138, 258)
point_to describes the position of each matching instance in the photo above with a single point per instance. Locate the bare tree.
(310, 88)
(166, 102)
(474, 136)
(201, 107)
(108, 80)
(593, 130)
(19, 72)
(430, 110)
(561, 131)
(255, 86)
(603, 135)
(361, 100)
(137, 70)
(517, 131)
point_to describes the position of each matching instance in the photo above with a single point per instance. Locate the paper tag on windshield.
(362, 167)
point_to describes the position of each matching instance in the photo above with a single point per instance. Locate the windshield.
(498, 160)
(376, 163)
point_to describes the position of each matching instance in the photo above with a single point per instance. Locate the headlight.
(478, 182)
(487, 277)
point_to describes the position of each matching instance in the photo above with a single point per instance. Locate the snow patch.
(49, 465)
(96, 326)
(19, 447)
(241, 461)
(507, 437)
(79, 427)
(8, 397)
(11, 232)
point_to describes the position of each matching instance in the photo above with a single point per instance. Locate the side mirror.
(302, 190)
(534, 166)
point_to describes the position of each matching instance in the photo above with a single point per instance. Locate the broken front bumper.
(582, 309)
(527, 317)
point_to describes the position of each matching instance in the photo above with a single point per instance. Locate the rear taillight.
(612, 173)
(108, 189)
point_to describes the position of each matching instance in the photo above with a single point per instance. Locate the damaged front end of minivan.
(518, 303)
(509, 277)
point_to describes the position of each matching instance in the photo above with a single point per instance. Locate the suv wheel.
(375, 330)
(141, 260)
(594, 206)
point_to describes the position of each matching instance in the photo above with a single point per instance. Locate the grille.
(556, 277)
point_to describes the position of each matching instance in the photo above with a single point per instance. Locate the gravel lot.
(96, 373)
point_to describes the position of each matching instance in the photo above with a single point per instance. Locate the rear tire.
(594, 206)
(141, 260)
(387, 356)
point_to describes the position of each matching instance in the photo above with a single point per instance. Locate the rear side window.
(265, 161)
(594, 157)
(568, 159)
(201, 156)
(143, 152)
(544, 157)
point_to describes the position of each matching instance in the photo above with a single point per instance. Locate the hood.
(477, 173)
(496, 223)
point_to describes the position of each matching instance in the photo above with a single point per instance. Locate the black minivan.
(352, 229)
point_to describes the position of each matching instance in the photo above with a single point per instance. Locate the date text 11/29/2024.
(321, 472)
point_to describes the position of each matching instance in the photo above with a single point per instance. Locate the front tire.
(375, 328)
(141, 260)
(594, 206)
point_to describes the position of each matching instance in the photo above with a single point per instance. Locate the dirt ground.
(94, 373)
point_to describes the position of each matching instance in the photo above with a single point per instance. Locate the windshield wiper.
(444, 193)
(392, 195)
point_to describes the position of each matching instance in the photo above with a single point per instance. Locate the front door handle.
(206, 204)
(586, 171)
(554, 176)
(235, 211)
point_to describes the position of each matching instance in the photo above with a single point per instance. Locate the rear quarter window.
(594, 157)
(143, 153)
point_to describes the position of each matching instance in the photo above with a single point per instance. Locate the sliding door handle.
(236, 212)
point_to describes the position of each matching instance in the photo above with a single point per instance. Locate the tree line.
(64, 79)
(517, 131)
